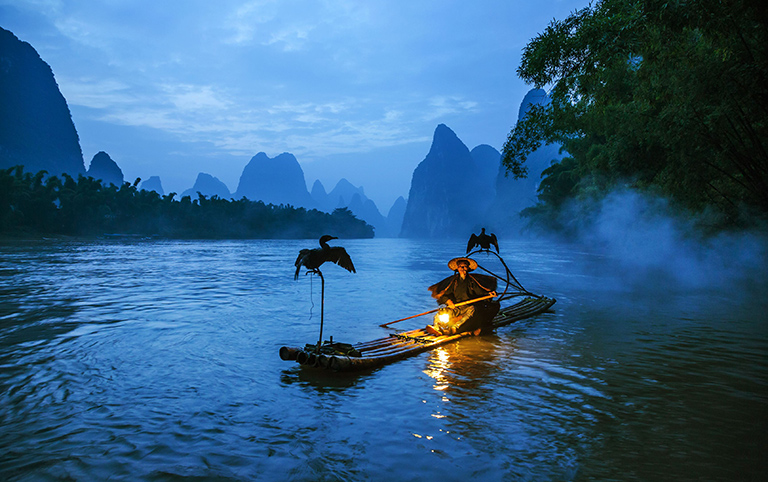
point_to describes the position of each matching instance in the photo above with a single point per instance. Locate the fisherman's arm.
(446, 299)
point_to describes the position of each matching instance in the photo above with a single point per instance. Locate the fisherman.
(463, 286)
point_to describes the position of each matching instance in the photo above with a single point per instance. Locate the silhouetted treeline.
(37, 204)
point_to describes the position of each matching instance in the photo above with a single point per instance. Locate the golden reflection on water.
(439, 363)
(460, 372)
(467, 364)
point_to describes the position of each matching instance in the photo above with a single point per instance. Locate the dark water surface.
(158, 360)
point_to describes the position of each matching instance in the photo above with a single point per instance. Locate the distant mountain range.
(447, 193)
(454, 191)
(514, 195)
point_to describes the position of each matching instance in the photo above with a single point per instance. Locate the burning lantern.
(443, 318)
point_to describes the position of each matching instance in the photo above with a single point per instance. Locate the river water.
(158, 360)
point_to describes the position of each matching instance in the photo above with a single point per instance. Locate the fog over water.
(640, 239)
(158, 360)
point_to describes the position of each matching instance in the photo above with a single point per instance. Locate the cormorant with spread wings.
(483, 240)
(313, 258)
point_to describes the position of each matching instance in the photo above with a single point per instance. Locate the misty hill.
(278, 180)
(395, 216)
(102, 167)
(208, 186)
(455, 192)
(365, 209)
(36, 128)
(153, 184)
(346, 195)
(514, 195)
(340, 196)
(446, 196)
(318, 194)
(487, 161)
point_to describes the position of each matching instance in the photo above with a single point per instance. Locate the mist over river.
(158, 360)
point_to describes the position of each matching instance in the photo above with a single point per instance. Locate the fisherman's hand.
(450, 304)
(493, 293)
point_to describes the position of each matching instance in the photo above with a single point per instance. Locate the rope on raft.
(513, 287)
(417, 339)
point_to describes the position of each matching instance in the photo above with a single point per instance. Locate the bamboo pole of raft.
(505, 316)
(419, 332)
(379, 352)
(522, 310)
(341, 363)
(468, 302)
(288, 353)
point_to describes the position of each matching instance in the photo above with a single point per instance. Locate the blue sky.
(353, 89)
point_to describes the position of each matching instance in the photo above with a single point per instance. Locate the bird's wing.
(494, 242)
(339, 255)
(300, 257)
(300, 261)
(473, 241)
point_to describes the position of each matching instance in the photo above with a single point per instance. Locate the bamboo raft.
(396, 346)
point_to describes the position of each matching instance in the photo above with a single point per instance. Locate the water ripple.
(157, 360)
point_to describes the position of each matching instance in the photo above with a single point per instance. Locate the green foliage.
(36, 205)
(666, 96)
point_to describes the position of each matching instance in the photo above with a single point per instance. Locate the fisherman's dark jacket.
(452, 288)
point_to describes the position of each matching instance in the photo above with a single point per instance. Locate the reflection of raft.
(379, 352)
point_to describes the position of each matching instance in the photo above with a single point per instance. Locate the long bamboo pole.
(436, 309)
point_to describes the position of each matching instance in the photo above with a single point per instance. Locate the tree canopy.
(36, 204)
(665, 96)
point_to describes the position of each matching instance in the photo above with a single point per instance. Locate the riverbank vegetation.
(37, 204)
(663, 97)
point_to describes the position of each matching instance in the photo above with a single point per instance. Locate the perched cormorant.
(483, 240)
(313, 258)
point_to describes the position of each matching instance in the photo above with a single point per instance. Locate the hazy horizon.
(352, 90)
